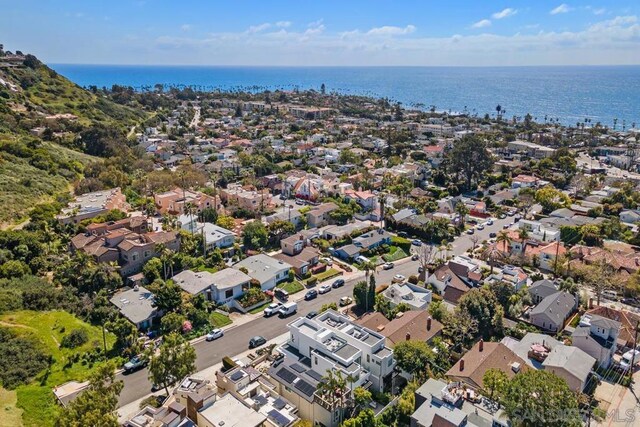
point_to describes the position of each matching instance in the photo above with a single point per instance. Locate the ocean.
(569, 94)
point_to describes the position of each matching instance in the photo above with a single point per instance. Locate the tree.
(364, 298)
(461, 328)
(526, 199)
(542, 399)
(152, 270)
(278, 229)
(174, 360)
(323, 89)
(255, 235)
(172, 322)
(483, 306)
(551, 199)
(413, 357)
(494, 381)
(438, 310)
(504, 238)
(523, 235)
(463, 211)
(365, 418)
(168, 296)
(95, 406)
(361, 397)
(332, 388)
(225, 221)
(125, 332)
(598, 277)
(470, 157)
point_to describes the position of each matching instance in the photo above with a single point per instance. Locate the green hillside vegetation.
(50, 131)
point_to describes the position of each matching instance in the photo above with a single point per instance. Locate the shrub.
(413, 279)
(75, 338)
(312, 281)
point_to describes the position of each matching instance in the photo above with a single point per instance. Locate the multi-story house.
(597, 336)
(90, 205)
(174, 201)
(236, 196)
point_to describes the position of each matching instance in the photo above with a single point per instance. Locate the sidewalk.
(129, 410)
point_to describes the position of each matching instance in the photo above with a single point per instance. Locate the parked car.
(511, 213)
(480, 227)
(415, 257)
(299, 202)
(327, 261)
(324, 289)
(492, 235)
(387, 266)
(402, 234)
(399, 278)
(257, 341)
(416, 242)
(490, 222)
(470, 231)
(272, 309)
(504, 227)
(502, 216)
(137, 362)
(277, 360)
(312, 314)
(214, 334)
(311, 294)
(338, 283)
(634, 302)
(345, 301)
(281, 294)
(625, 362)
(421, 269)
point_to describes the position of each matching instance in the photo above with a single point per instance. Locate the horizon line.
(339, 66)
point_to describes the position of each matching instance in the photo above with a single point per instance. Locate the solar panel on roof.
(261, 399)
(279, 403)
(298, 368)
(236, 376)
(305, 387)
(278, 417)
(286, 375)
(315, 375)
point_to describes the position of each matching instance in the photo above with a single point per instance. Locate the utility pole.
(633, 353)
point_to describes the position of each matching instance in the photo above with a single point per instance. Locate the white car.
(327, 261)
(480, 227)
(214, 334)
(398, 278)
(490, 222)
(324, 289)
(387, 266)
(272, 309)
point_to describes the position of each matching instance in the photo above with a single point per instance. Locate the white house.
(221, 286)
(265, 269)
(597, 336)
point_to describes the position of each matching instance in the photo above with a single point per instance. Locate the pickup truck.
(272, 309)
(134, 364)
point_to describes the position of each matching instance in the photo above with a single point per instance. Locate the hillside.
(42, 115)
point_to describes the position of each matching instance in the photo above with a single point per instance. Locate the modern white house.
(416, 297)
(214, 235)
(597, 336)
(538, 231)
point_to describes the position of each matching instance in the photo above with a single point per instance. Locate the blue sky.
(325, 32)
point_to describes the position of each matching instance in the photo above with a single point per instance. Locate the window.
(390, 362)
(315, 360)
(368, 359)
(228, 293)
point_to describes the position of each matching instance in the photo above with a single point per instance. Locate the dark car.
(312, 294)
(312, 314)
(492, 235)
(257, 341)
(403, 234)
(338, 283)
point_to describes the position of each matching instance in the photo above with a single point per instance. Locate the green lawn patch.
(395, 254)
(291, 287)
(11, 414)
(327, 274)
(260, 308)
(38, 404)
(219, 320)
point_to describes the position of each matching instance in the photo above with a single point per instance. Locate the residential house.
(372, 239)
(530, 149)
(553, 311)
(414, 296)
(542, 351)
(442, 404)
(448, 284)
(627, 320)
(524, 181)
(415, 325)
(319, 216)
(348, 252)
(173, 202)
(288, 214)
(236, 196)
(268, 271)
(541, 289)
(367, 200)
(172, 415)
(515, 276)
(470, 369)
(297, 253)
(137, 306)
(222, 286)
(337, 232)
(91, 205)
(537, 231)
(598, 337)
(214, 235)
(629, 216)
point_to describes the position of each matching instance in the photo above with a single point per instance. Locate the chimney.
(481, 344)
(429, 323)
(408, 336)
(590, 303)
(461, 365)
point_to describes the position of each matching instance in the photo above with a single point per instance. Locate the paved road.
(236, 339)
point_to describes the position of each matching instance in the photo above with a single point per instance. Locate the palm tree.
(333, 390)
(491, 253)
(523, 234)
(368, 267)
(505, 239)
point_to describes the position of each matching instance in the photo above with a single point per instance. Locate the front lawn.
(291, 287)
(395, 253)
(260, 308)
(218, 320)
(327, 274)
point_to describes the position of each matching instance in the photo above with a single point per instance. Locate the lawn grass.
(291, 287)
(10, 414)
(327, 274)
(37, 399)
(260, 308)
(395, 254)
(219, 320)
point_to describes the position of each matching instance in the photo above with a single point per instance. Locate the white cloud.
(389, 30)
(283, 24)
(563, 8)
(482, 24)
(600, 11)
(258, 28)
(185, 27)
(505, 13)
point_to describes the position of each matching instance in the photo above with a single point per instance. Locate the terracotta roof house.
(483, 356)
(414, 325)
(628, 322)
